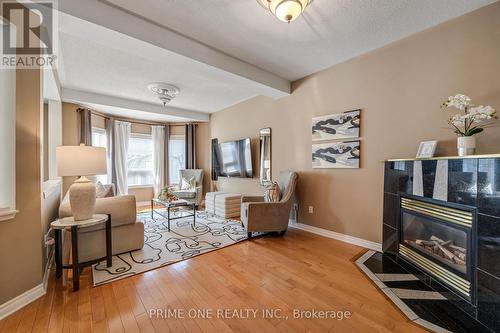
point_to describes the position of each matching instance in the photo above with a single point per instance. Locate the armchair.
(260, 216)
(194, 195)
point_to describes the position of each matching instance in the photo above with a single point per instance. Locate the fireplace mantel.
(470, 181)
(442, 158)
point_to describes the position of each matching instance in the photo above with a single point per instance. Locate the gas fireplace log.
(446, 252)
(444, 249)
(424, 242)
(457, 248)
(436, 239)
(459, 254)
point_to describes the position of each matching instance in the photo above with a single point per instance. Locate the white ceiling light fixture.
(165, 92)
(286, 10)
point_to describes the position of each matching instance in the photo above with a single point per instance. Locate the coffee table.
(183, 207)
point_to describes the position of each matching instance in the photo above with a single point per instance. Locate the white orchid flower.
(458, 101)
(473, 119)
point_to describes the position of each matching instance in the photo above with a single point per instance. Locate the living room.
(307, 166)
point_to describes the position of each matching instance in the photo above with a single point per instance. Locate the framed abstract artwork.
(336, 155)
(337, 126)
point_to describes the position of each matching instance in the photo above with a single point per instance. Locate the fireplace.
(437, 238)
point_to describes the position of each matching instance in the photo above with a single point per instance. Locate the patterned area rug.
(162, 247)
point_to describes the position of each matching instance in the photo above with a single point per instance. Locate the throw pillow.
(272, 193)
(188, 184)
(100, 190)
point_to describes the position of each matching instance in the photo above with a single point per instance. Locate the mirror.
(265, 156)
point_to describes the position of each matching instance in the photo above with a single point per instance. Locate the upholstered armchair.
(260, 216)
(194, 195)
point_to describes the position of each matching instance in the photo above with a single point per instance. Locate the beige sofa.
(127, 232)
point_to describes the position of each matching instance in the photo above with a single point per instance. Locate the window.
(176, 159)
(140, 160)
(99, 140)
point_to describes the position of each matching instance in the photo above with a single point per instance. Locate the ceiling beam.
(119, 20)
(77, 96)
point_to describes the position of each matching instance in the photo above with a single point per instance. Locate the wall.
(400, 88)
(21, 237)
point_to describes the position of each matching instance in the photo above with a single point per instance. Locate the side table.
(70, 224)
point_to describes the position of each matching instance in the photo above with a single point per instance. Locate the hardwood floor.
(299, 271)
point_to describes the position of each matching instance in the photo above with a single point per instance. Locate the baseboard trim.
(338, 236)
(22, 300)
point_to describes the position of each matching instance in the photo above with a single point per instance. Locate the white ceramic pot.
(82, 196)
(466, 145)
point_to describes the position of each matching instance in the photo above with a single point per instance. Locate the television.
(233, 159)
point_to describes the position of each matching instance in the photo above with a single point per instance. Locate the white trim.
(20, 301)
(7, 214)
(140, 187)
(338, 236)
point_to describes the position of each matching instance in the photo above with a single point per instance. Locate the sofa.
(260, 216)
(127, 232)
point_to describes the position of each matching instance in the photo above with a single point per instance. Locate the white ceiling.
(94, 59)
(105, 69)
(329, 32)
(219, 52)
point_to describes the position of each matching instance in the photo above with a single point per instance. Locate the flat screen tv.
(233, 159)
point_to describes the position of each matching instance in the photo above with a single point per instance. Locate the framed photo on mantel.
(427, 149)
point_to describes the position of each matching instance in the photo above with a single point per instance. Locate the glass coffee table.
(178, 209)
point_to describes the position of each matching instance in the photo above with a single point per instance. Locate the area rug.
(162, 247)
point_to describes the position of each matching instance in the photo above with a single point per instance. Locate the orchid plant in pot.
(470, 121)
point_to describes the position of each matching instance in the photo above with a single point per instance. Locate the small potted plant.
(167, 194)
(471, 121)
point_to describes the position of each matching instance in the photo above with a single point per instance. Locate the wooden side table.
(69, 223)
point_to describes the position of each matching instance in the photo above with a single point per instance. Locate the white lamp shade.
(81, 161)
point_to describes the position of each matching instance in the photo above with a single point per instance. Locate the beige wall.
(21, 238)
(400, 88)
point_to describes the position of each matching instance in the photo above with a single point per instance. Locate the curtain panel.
(122, 132)
(110, 150)
(158, 136)
(190, 130)
(167, 154)
(85, 126)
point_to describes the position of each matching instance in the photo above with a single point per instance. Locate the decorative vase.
(466, 145)
(82, 196)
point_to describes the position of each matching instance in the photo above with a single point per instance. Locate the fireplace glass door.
(445, 243)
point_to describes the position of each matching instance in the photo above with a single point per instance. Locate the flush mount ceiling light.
(285, 10)
(165, 92)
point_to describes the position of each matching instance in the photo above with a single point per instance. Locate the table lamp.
(81, 161)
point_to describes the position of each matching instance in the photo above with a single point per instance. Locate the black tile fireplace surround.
(469, 184)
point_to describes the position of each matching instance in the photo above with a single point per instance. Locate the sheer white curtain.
(110, 129)
(121, 136)
(158, 135)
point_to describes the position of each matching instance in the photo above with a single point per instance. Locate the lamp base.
(82, 196)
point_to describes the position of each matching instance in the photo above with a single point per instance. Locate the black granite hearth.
(421, 303)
